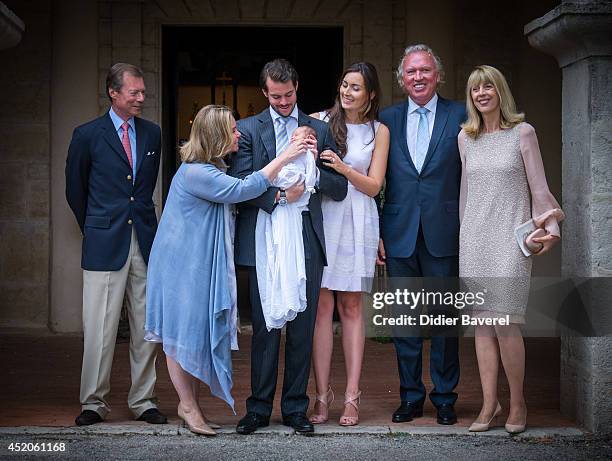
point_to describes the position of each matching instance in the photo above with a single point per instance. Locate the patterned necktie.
(281, 134)
(422, 141)
(125, 140)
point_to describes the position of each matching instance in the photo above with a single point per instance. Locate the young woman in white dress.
(351, 232)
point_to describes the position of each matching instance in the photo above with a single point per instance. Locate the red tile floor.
(41, 372)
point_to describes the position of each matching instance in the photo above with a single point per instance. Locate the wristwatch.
(282, 200)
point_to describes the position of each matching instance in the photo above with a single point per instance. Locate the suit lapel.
(112, 138)
(303, 119)
(141, 142)
(438, 129)
(267, 134)
(403, 134)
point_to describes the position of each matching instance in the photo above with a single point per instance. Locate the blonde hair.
(211, 136)
(509, 117)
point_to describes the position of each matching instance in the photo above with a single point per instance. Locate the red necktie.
(125, 140)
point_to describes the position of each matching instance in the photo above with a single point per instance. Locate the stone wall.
(74, 97)
(24, 169)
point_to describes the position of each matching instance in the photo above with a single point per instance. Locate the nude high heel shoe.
(203, 429)
(180, 412)
(516, 428)
(325, 400)
(482, 427)
(354, 401)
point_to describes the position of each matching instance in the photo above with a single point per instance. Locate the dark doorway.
(221, 65)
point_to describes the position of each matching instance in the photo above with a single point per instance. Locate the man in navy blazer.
(260, 138)
(420, 218)
(111, 173)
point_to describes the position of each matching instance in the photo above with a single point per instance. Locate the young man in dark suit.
(420, 218)
(111, 173)
(262, 139)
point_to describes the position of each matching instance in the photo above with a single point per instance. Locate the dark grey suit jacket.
(256, 148)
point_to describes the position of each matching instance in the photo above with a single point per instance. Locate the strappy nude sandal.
(325, 400)
(354, 401)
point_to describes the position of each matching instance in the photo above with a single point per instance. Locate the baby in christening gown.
(279, 248)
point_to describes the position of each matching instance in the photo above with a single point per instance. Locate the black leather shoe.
(251, 422)
(299, 422)
(446, 414)
(407, 411)
(153, 416)
(88, 417)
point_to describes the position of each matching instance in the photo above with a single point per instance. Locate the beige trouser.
(103, 294)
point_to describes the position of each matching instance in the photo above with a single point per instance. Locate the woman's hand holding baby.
(293, 150)
(332, 160)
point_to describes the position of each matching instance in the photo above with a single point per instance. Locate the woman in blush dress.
(351, 232)
(503, 185)
(191, 298)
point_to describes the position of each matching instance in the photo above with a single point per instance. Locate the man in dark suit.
(420, 222)
(263, 137)
(111, 172)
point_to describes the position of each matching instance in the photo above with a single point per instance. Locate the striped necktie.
(282, 140)
(125, 140)
(422, 142)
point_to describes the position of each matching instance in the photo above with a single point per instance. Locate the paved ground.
(39, 400)
(294, 447)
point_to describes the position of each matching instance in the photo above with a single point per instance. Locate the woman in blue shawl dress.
(191, 306)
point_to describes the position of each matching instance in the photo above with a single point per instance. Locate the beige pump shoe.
(203, 429)
(483, 427)
(516, 428)
(210, 423)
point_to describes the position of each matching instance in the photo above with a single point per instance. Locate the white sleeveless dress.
(351, 226)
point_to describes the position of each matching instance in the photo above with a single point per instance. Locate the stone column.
(377, 23)
(578, 34)
(74, 96)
